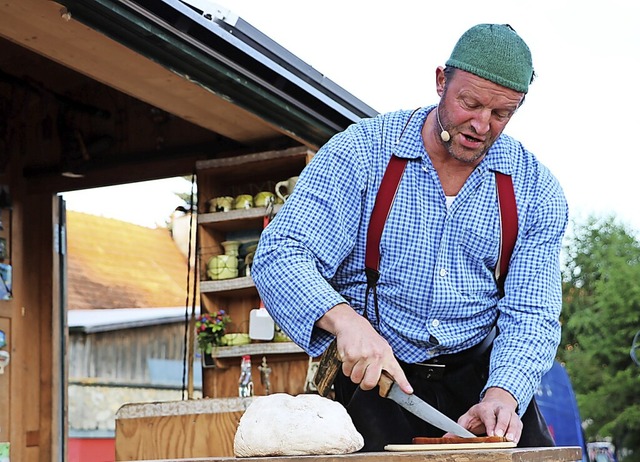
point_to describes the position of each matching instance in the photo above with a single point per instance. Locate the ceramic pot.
(243, 201)
(263, 198)
(221, 204)
(231, 247)
(285, 188)
(222, 267)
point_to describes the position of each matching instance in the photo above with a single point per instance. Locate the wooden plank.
(227, 285)
(5, 381)
(177, 436)
(267, 348)
(449, 446)
(236, 219)
(39, 25)
(263, 160)
(561, 454)
(40, 399)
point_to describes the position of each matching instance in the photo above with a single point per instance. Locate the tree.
(601, 314)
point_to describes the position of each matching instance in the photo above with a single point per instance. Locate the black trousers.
(381, 421)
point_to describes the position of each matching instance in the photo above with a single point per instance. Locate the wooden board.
(38, 25)
(449, 446)
(5, 381)
(176, 436)
(560, 454)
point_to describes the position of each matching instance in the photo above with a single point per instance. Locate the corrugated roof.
(234, 60)
(115, 264)
(90, 321)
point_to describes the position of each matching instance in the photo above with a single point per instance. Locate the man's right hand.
(363, 352)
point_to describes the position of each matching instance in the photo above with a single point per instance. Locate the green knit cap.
(496, 53)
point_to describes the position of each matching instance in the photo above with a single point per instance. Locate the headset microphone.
(444, 135)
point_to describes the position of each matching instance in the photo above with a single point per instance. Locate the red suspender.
(384, 199)
(508, 225)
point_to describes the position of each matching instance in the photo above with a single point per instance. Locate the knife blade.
(390, 389)
(328, 368)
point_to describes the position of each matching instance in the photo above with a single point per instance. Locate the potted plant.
(210, 328)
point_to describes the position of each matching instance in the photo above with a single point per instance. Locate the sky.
(149, 203)
(578, 118)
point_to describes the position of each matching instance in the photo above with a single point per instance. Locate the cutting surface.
(449, 446)
(561, 454)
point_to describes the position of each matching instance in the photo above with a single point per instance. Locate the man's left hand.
(495, 415)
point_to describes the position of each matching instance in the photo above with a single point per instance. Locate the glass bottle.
(245, 383)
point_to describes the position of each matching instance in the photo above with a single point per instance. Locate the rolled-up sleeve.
(529, 312)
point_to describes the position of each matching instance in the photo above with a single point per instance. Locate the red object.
(92, 449)
(508, 223)
(384, 200)
(459, 440)
(387, 193)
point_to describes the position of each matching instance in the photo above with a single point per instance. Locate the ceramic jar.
(221, 204)
(222, 267)
(231, 247)
(243, 201)
(263, 198)
(285, 188)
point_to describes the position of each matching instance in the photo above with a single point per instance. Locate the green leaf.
(600, 316)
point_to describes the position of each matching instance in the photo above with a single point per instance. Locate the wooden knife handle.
(328, 368)
(385, 383)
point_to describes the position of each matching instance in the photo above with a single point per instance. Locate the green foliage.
(190, 203)
(601, 314)
(210, 328)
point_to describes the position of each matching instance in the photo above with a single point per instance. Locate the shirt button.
(435, 323)
(443, 272)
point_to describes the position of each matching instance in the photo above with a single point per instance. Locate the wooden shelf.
(252, 349)
(267, 348)
(236, 219)
(268, 162)
(232, 176)
(227, 285)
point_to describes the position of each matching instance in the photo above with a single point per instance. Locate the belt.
(434, 368)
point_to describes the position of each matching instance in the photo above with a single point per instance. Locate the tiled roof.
(115, 264)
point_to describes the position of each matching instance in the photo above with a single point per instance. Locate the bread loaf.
(285, 425)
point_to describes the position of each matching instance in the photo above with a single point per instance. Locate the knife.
(390, 389)
(327, 370)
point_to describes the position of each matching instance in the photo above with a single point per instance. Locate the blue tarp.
(558, 405)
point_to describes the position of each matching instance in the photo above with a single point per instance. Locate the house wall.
(127, 365)
(93, 407)
(122, 355)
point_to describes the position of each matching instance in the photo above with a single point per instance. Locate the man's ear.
(440, 80)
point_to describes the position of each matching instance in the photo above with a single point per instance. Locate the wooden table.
(560, 454)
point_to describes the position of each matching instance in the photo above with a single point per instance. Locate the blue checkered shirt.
(437, 293)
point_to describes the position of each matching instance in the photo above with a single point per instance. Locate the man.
(436, 301)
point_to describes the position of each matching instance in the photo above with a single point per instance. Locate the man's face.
(475, 111)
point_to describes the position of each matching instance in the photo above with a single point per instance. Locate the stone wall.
(93, 407)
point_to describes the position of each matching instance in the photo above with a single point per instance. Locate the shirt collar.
(410, 145)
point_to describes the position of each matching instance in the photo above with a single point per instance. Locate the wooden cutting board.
(449, 446)
(453, 443)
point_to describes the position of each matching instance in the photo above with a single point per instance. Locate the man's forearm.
(336, 317)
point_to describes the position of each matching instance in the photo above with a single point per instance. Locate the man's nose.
(481, 122)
